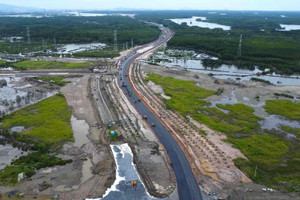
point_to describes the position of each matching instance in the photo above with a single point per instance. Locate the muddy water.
(194, 64)
(80, 131)
(275, 122)
(126, 172)
(15, 89)
(8, 153)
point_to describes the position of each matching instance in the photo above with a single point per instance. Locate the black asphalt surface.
(188, 188)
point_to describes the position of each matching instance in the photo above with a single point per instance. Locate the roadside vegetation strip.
(58, 80)
(47, 121)
(276, 158)
(285, 108)
(48, 65)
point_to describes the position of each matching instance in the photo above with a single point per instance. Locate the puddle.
(17, 129)
(75, 48)
(202, 24)
(275, 121)
(16, 95)
(8, 153)
(86, 170)
(126, 172)
(80, 131)
(193, 63)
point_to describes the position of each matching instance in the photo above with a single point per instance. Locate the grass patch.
(47, 121)
(113, 137)
(261, 80)
(262, 149)
(97, 54)
(53, 80)
(48, 65)
(295, 131)
(277, 161)
(285, 108)
(187, 99)
(27, 165)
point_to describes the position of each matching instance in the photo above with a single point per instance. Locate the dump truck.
(153, 124)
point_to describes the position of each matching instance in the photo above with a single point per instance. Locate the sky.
(289, 5)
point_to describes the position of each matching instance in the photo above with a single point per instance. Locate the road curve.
(188, 188)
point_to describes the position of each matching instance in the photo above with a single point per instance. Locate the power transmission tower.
(131, 42)
(28, 36)
(239, 53)
(115, 41)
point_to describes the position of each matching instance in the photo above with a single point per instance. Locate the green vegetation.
(27, 165)
(53, 80)
(97, 54)
(269, 48)
(47, 125)
(47, 121)
(113, 137)
(277, 160)
(284, 108)
(284, 95)
(262, 149)
(187, 99)
(68, 30)
(295, 131)
(261, 80)
(48, 65)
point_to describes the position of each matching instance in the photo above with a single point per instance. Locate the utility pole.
(239, 53)
(126, 45)
(54, 40)
(28, 36)
(115, 41)
(131, 42)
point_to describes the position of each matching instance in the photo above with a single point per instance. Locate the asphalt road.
(187, 186)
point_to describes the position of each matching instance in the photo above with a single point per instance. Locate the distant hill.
(5, 8)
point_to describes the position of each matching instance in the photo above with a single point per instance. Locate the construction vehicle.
(145, 117)
(153, 124)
